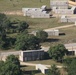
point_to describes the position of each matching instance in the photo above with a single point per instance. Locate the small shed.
(42, 68)
(52, 32)
(71, 48)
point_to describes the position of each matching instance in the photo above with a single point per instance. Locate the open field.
(69, 36)
(39, 24)
(46, 62)
(10, 5)
(35, 24)
(30, 69)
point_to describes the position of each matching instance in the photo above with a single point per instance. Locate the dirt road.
(18, 12)
(32, 64)
(60, 27)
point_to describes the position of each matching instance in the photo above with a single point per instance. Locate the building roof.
(32, 50)
(70, 44)
(42, 66)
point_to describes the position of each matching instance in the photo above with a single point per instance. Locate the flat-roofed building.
(65, 11)
(36, 12)
(60, 4)
(52, 32)
(71, 48)
(42, 68)
(31, 55)
(67, 19)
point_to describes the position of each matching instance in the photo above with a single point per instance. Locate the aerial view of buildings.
(38, 37)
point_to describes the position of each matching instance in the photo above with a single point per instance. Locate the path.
(60, 27)
(31, 64)
(18, 12)
(71, 3)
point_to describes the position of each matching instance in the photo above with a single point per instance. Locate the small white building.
(64, 11)
(62, 4)
(71, 48)
(52, 32)
(36, 12)
(42, 68)
(67, 19)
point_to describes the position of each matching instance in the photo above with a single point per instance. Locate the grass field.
(45, 62)
(39, 24)
(35, 24)
(68, 37)
(10, 5)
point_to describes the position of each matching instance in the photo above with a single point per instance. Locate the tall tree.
(53, 70)
(27, 42)
(4, 26)
(42, 35)
(10, 67)
(4, 21)
(57, 52)
(22, 25)
(1, 67)
(70, 65)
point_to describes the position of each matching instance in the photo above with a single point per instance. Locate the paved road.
(9, 53)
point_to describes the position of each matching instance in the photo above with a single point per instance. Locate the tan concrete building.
(71, 48)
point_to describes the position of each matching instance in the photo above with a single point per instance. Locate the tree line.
(23, 40)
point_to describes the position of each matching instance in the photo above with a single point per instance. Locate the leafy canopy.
(27, 42)
(57, 52)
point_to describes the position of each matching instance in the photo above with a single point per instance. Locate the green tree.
(27, 42)
(4, 26)
(1, 67)
(42, 35)
(22, 25)
(72, 68)
(10, 67)
(70, 65)
(4, 21)
(2, 43)
(13, 59)
(53, 70)
(57, 52)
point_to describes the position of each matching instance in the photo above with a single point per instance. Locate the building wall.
(32, 55)
(59, 4)
(71, 48)
(36, 12)
(64, 11)
(42, 68)
(68, 19)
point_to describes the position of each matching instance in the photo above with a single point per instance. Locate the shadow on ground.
(31, 72)
(51, 40)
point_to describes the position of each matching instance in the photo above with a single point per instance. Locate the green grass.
(29, 69)
(39, 24)
(45, 62)
(10, 5)
(35, 24)
(69, 37)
